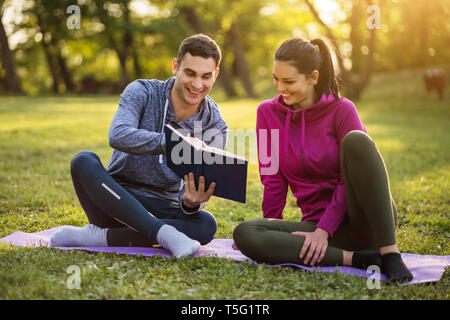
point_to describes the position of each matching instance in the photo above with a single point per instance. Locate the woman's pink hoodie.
(307, 159)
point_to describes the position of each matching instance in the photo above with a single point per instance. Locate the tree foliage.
(121, 40)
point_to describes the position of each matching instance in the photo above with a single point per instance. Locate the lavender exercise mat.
(425, 268)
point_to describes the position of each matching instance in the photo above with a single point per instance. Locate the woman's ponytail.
(327, 78)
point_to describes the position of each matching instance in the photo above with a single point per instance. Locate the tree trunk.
(125, 77)
(354, 83)
(423, 57)
(330, 37)
(192, 19)
(224, 77)
(226, 80)
(127, 43)
(46, 45)
(240, 60)
(64, 71)
(136, 63)
(356, 36)
(51, 65)
(12, 81)
(122, 55)
(123, 44)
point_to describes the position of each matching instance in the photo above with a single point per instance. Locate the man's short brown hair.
(200, 45)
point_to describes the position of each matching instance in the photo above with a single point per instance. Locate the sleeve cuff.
(327, 227)
(330, 221)
(187, 210)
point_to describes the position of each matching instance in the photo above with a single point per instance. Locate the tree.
(12, 81)
(227, 22)
(119, 32)
(50, 16)
(117, 42)
(354, 80)
(194, 21)
(243, 71)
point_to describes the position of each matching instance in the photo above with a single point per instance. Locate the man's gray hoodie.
(137, 137)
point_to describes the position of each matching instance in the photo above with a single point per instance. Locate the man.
(138, 200)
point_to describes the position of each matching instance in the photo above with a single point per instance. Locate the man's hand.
(317, 242)
(192, 198)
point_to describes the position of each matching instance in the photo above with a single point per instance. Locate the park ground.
(40, 135)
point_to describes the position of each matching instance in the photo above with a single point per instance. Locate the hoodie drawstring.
(163, 123)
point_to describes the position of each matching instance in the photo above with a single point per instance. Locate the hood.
(314, 109)
(312, 112)
(209, 115)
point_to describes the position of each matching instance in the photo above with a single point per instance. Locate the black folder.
(227, 170)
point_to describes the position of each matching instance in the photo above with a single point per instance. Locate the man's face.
(195, 77)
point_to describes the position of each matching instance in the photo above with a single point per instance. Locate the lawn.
(40, 135)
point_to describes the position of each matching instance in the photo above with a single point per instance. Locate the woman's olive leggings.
(371, 214)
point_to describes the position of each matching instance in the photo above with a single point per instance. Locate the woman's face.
(296, 88)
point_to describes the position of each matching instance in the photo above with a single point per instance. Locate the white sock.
(176, 242)
(87, 236)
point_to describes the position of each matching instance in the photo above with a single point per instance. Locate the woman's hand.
(192, 197)
(317, 242)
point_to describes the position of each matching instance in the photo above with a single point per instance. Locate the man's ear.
(174, 66)
(216, 73)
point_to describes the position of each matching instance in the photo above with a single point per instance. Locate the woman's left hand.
(317, 242)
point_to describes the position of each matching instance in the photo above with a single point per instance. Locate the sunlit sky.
(329, 10)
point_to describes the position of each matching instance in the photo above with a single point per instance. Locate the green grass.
(40, 135)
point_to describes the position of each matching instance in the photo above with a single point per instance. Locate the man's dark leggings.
(131, 219)
(371, 216)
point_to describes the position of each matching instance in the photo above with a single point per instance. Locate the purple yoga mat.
(425, 268)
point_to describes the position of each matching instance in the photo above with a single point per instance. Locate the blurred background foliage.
(119, 41)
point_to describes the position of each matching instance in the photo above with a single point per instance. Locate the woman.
(332, 167)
